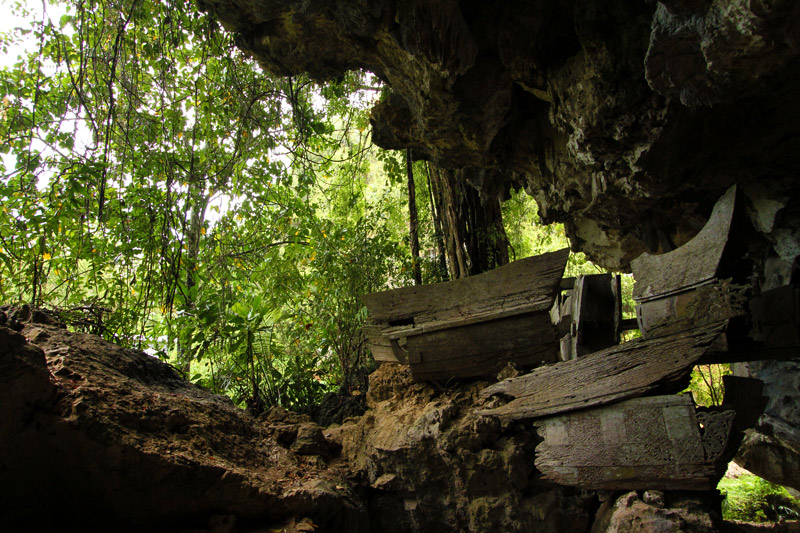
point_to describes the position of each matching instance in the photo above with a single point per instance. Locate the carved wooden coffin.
(624, 371)
(687, 286)
(473, 326)
(705, 281)
(657, 442)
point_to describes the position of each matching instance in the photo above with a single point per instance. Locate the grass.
(752, 499)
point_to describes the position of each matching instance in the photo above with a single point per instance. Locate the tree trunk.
(437, 228)
(197, 203)
(474, 237)
(412, 220)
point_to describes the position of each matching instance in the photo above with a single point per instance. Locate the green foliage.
(753, 499)
(528, 236)
(164, 192)
(706, 384)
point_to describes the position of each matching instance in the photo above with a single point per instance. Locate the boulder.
(94, 436)
(656, 512)
(426, 461)
(772, 448)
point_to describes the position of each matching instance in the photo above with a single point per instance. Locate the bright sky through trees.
(160, 190)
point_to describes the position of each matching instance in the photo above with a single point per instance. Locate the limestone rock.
(426, 462)
(100, 437)
(772, 449)
(626, 120)
(682, 512)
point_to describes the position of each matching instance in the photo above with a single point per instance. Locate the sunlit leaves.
(220, 245)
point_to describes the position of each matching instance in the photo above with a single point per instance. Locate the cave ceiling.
(624, 119)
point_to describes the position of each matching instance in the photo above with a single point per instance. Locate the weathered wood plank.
(398, 332)
(589, 314)
(380, 345)
(695, 263)
(625, 371)
(628, 324)
(763, 327)
(715, 301)
(483, 348)
(642, 443)
(473, 326)
(516, 285)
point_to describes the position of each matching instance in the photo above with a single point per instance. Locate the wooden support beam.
(643, 443)
(624, 371)
(483, 348)
(588, 315)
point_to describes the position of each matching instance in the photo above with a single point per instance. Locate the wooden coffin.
(473, 326)
(657, 442)
(700, 283)
(686, 287)
(624, 371)
(588, 313)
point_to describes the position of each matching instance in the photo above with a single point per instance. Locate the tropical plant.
(752, 499)
(706, 384)
(161, 190)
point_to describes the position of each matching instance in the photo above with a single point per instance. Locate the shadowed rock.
(96, 436)
(626, 120)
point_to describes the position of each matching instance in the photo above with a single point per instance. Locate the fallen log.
(473, 326)
(624, 371)
(657, 442)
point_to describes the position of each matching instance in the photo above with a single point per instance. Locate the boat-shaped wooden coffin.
(654, 442)
(473, 326)
(707, 281)
(691, 285)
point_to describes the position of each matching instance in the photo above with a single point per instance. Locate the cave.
(626, 121)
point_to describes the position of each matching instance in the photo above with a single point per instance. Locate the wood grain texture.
(715, 301)
(470, 327)
(693, 264)
(483, 348)
(592, 310)
(528, 284)
(642, 443)
(625, 371)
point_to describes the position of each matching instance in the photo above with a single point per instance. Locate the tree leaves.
(195, 206)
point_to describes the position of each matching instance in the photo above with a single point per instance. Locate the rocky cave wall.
(626, 120)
